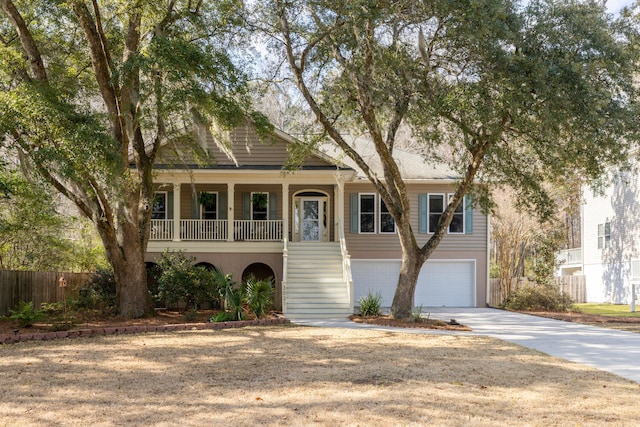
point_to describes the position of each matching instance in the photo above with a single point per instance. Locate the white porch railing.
(203, 229)
(217, 229)
(161, 229)
(265, 230)
(570, 256)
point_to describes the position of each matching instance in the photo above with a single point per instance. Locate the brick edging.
(119, 330)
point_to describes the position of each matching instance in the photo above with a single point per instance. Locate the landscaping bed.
(424, 323)
(96, 324)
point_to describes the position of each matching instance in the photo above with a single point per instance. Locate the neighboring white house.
(610, 252)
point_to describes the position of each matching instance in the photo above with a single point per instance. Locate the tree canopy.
(91, 90)
(503, 92)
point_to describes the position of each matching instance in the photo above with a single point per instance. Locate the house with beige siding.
(320, 231)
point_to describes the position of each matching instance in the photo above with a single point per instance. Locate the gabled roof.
(248, 152)
(244, 150)
(412, 166)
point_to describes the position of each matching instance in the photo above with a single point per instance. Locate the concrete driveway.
(614, 351)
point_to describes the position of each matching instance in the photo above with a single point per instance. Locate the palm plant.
(258, 294)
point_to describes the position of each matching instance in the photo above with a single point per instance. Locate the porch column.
(230, 211)
(285, 211)
(176, 212)
(338, 194)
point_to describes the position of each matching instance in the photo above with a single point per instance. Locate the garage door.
(441, 283)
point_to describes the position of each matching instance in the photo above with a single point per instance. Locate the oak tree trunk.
(125, 252)
(407, 281)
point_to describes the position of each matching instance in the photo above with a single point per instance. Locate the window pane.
(457, 224)
(367, 204)
(387, 224)
(436, 203)
(436, 207)
(367, 222)
(310, 210)
(159, 210)
(433, 222)
(210, 206)
(259, 206)
(367, 213)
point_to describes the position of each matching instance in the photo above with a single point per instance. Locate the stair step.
(315, 286)
(312, 267)
(319, 278)
(319, 310)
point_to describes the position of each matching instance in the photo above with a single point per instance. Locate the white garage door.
(441, 283)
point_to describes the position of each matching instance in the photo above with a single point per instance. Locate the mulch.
(424, 323)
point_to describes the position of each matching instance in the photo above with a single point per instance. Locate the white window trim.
(217, 204)
(446, 198)
(166, 203)
(251, 203)
(375, 220)
(606, 244)
(379, 222)
(443, 195)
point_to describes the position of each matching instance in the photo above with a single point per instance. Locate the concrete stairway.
(315, 286)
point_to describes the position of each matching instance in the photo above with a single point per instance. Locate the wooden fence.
(573, 286)
(38, 287)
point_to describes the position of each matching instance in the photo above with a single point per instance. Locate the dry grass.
(301, 376)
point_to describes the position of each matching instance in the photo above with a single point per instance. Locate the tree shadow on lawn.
(300, 375)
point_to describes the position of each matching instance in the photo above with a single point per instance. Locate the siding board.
(385, 243)
(247, 149)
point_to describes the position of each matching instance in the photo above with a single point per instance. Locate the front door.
(311, 219)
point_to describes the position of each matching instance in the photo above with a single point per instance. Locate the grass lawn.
(615, 310)
(302, 376)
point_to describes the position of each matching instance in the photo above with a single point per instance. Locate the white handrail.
(285, 262)
(346, 263)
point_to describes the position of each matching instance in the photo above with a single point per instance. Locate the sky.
(614, 6)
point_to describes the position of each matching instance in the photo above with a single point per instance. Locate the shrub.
(416, 314)
(370, 305)
(26, 315)
(52, 308)
(223, 316)
(100, 292)
(538, 298)
(234, 299)
(258, 294)
(181, 281)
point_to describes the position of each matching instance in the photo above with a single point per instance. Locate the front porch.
(247, 211)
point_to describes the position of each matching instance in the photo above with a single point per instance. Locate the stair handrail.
(346, 263)
(285, 261)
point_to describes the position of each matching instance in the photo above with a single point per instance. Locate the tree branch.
(26, 39)
(322, 118)
(102, 68)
